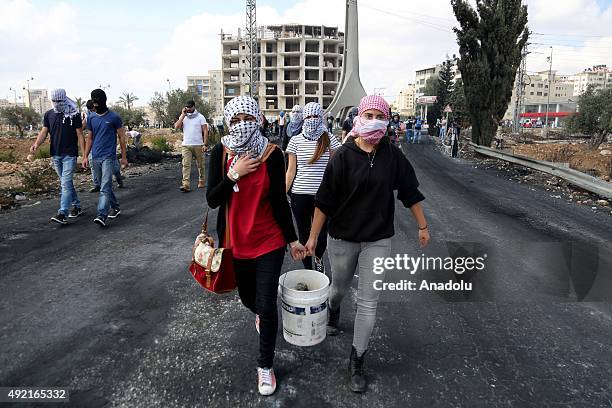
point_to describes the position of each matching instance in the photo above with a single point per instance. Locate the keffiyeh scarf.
(63, 104)
(313, 128)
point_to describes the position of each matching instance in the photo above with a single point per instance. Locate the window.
(539, 94)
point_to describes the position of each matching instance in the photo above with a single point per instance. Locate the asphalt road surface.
(115, 316)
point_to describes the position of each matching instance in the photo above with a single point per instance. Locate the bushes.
(43, 152)
(8, 157)
(36, 180)
(161, 143)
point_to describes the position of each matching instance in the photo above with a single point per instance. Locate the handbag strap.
(205, 224)
(227, 223)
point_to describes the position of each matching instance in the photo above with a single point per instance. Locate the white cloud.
(395, 40)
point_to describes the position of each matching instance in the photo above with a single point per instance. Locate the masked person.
(65, 127)
(348, 122)
(116, 168)
(308, 155)
(356, 194)
(296, 120)
(105, 127)
(195, 141)
(395, 128)
(252, 187)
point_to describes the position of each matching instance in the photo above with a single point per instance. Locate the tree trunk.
(483, 128)
(20, 129)
(597, 140)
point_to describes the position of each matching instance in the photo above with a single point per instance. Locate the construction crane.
(251, 44)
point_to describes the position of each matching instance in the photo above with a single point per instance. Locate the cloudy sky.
(135, 46)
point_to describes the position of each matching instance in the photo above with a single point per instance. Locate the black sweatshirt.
(358, 198)
(220, 188)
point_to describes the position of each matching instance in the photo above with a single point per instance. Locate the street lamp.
(15, 92)
(169, 86)
(24, 88)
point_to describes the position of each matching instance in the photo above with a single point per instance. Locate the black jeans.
(257, 281)
(303, 207)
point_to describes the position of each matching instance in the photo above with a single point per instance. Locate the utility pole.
(550, 59)
(251, 43)
(520, 90)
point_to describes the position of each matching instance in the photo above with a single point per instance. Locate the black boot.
(357, 380)
(332, 323)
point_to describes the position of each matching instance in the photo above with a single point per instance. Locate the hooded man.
(105, 126)
(195, 142)
(64, 124)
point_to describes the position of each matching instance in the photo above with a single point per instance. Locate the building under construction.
(294, 64)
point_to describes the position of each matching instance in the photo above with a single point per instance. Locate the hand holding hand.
(298, 252)
(85, 163)
(311, 245)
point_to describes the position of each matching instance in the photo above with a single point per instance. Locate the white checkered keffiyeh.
(244, 137)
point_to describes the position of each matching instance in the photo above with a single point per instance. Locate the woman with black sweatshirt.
(246, 174)
(356, 194)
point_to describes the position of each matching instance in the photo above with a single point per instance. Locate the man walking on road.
(91, 110)
(64, 124)
(195, 140)
(105, 126)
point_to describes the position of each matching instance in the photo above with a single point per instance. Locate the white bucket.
(304, 312)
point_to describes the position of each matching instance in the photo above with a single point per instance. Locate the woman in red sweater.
(260, 223)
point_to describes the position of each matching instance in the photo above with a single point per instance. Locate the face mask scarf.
(297, 120)
(313, 128)
(192, 114)
(371, 130)
(63, 104)
(244, 137)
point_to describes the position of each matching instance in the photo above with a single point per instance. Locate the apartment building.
(296, 64)
(38, 100)
(405, 102)
(210, 88)
(422, 75)
(600, 76)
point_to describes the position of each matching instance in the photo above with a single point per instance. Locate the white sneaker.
(257, 323)
(266, 381)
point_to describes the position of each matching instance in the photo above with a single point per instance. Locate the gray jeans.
(345, 257)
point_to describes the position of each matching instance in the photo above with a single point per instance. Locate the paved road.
(114, 315)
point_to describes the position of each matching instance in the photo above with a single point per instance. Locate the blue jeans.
(417, 136)
(103, 171)
(442, 133)
(64, 167)
(116, 172)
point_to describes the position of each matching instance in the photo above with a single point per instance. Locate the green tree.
(79, 104)
(595, 116)
(490, 40)
(130, 118)
(20, 117)
(167, 108)
(445, 87)
(159, 106)
(127, 99)
(457, 102)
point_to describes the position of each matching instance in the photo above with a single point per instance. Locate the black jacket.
(358, 197)
(220, 188)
